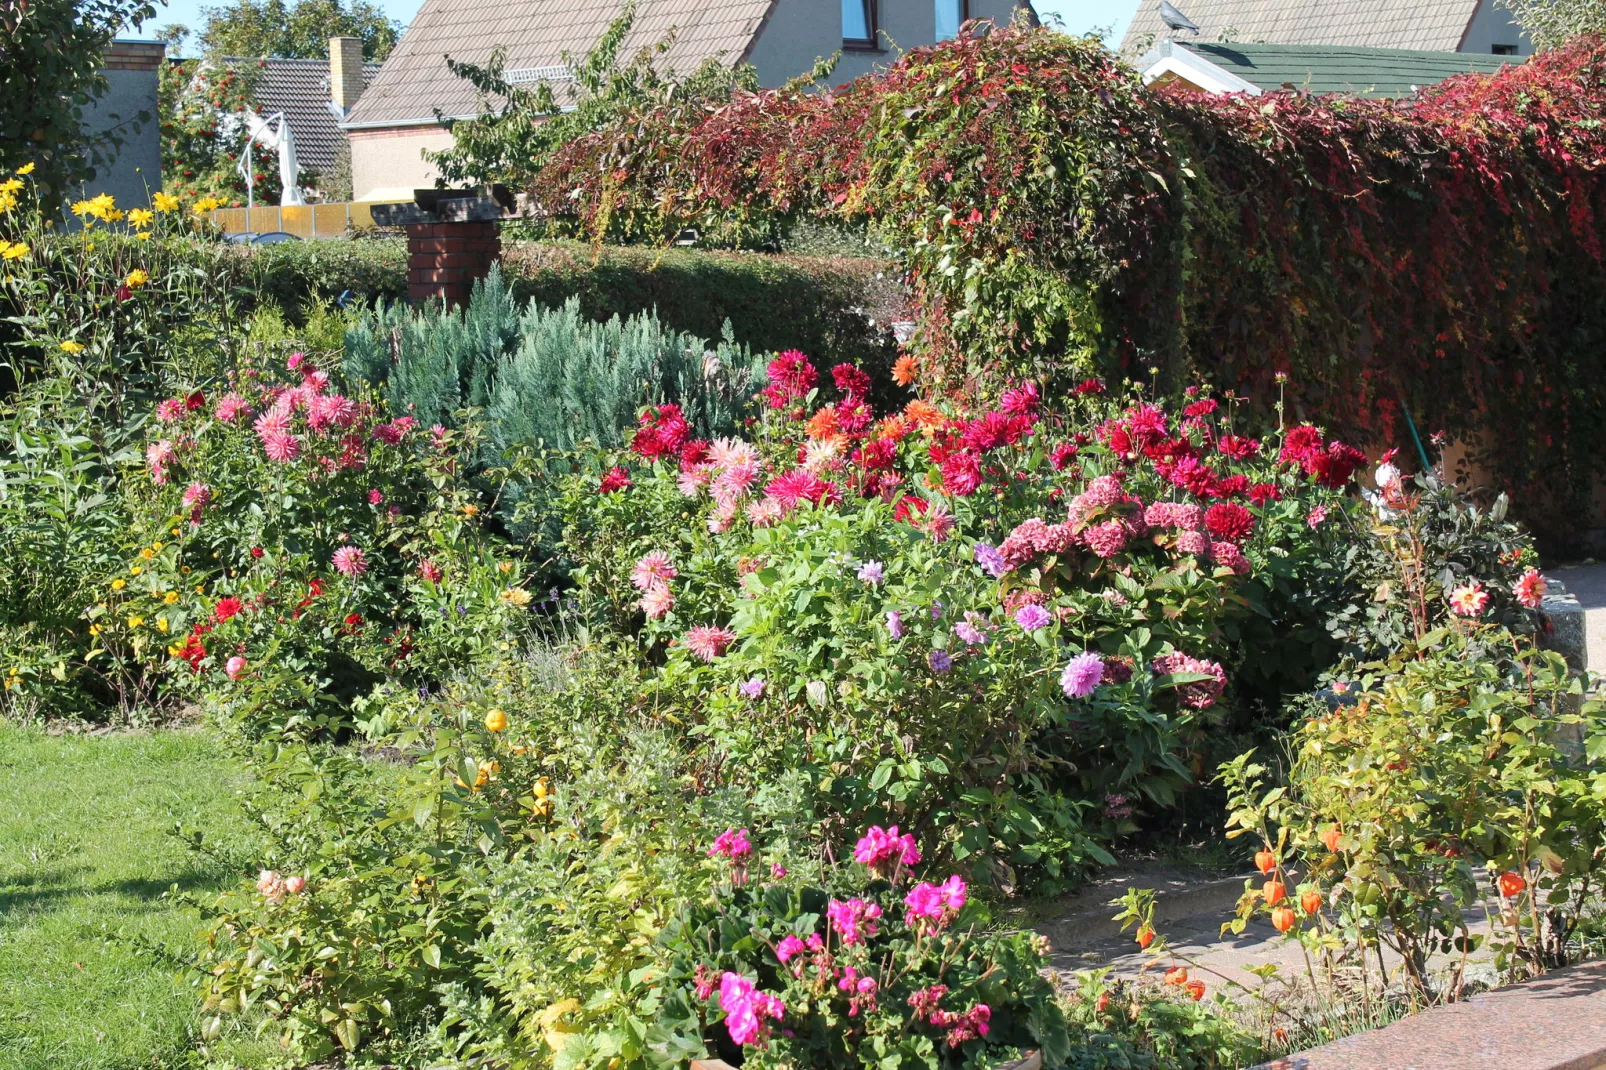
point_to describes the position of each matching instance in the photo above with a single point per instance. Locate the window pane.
(948, 19)
(855, 20)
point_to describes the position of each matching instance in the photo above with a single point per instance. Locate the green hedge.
(835, 308)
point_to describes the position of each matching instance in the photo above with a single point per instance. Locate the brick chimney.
(345, 72)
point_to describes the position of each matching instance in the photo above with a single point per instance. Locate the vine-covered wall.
(1440, 256)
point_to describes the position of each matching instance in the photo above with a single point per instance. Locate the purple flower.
(753, 688)
(1032, 617)
(940, 661)
(1082, 675)
(936, 610)
(872, 573)
(969, 633)
(895, 623)
(990, 560)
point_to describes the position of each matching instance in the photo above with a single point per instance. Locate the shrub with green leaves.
(544, 375)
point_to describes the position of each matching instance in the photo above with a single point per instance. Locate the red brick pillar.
(444, 259)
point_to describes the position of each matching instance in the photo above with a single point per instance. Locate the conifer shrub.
(545, 375)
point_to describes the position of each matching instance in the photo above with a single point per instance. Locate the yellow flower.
(94, 629)
(118, 585)
(13, 251)
(135, 569)
(137, 277)
(135, 622)
(70, 346)
(81, 208)
(143, 235)
(495, 721)
(165, 202)
(505, 567)
(175, 532)
(516, 596)
(161, 624)
(104, 206)
(205, 205)
(156, 546)
(141, 217)
(199, 588)
(471, 510)
(147, 553)
(174, 650)
(170, 597)
(25, 169)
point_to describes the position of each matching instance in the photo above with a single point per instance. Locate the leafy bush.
(1450, 757)
(1192, 232)
(892, 607)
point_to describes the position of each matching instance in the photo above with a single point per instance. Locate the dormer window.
(1503, 50)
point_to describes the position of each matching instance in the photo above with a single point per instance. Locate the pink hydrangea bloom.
(1201, 694)
(1193, 542)
(1106, 539)
(1230, 556)
(350, 561)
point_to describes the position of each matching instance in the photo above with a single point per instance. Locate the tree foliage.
(257, 28)
(1552, 23)
(202, 134)
(50, 72)
(519, 128)
(1436, 257)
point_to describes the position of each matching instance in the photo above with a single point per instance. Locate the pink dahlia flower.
(1530, 589)
(350, 561)
(652, 569)
(708, 642)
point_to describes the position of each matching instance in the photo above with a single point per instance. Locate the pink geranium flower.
(746, 1008)
(884, 850)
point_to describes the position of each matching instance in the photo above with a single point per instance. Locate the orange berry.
(1176, 975)
(1196, 989)
(1274, 892)
(1103, 1003)
(1265, 861)
(1282, 919)
(1512, 884)
(1145, 937)
(1310, 902)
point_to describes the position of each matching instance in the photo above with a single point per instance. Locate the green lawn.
(85, 857)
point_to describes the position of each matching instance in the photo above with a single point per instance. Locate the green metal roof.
(1371, 72)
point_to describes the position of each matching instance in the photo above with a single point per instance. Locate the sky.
(1080, 16)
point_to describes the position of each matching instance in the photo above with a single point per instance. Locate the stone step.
(1555, 1022)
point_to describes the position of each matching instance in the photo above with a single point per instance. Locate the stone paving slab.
(1557, 1022)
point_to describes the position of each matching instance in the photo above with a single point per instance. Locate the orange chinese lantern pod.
(1145, 937)
(1265, 861)
(1176, 975)
(1103, 1003)
(1196, 989)
(1282, 919)
(1511, 884)
(1310, 902)
(1330, 839)
(1274, 891)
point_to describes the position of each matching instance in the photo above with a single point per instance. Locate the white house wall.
(1492, 26)
(393, 160)
(800, 31)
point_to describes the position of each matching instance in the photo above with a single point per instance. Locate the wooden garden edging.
(1554, 1022)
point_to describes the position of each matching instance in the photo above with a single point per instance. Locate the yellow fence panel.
(304, 221)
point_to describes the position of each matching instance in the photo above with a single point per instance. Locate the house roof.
(1367, 72)
(536, 34)
(1431, 25)
(300, 89)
